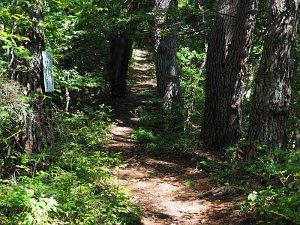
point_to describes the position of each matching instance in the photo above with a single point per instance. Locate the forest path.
(169, 188)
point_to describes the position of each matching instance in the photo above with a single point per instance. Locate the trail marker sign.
(48, 71)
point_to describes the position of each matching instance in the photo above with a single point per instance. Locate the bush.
(191, 65)
(162, 131)
(71, 183)
(279, 197)
(143, 136)
(12, 107)
(272, 182)
(172, 143)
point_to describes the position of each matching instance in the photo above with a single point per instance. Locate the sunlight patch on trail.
(167, 189)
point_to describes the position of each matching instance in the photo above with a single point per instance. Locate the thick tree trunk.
(272, 91)
(37, 133)
(30, 73)
(235, 68)
(220, 39)
(120, 55)
(226, 65)
(165, 49)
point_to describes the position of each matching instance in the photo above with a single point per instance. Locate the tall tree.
(228, 53)
(120, 53)
(165, 49)
(220, 39)
(235, 69)
(29, 74)
(272, 90)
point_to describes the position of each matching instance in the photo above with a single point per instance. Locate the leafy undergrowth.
(70, 183)
(161, 133)
(272, 183)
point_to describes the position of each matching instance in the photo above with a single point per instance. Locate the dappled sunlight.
(142, 68)
(161, 162)
(158, 112)
(169, 188)
(121, 130)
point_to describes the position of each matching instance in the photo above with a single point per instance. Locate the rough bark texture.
(120, 54)
(165, 49)
(235, 68)
(272, 91)
(226, 65)
(37, 133)
(219, 40)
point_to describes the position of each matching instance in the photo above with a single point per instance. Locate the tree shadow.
(174, 167)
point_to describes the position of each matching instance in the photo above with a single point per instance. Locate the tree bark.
(220, 39)
(226, 66)
(37, 134)
(120, 54)
(165, 49)
(30, 76)
(272, 90)
(235, 68)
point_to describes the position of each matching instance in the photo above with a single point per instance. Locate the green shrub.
(142, 135)
(279, 197)
(71, 183)
(151, 120)
(274, 199)
(172, 143)
(22, 204)
(191, 64)
(158, 132)
(12, 107)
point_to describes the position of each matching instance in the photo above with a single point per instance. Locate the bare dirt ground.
(169, 188)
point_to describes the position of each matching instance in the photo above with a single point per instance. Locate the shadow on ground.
(169, 187)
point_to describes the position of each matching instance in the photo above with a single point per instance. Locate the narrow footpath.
(168, 188)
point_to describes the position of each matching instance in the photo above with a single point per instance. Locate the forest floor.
(168, 187)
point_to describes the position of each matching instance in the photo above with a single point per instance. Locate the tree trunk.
(235, 68)
(120, 54)
(165, 49)
(37, 133)
(220, 39)
(272, 91)
(226, 66)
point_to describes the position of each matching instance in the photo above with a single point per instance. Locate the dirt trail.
(168, 188)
